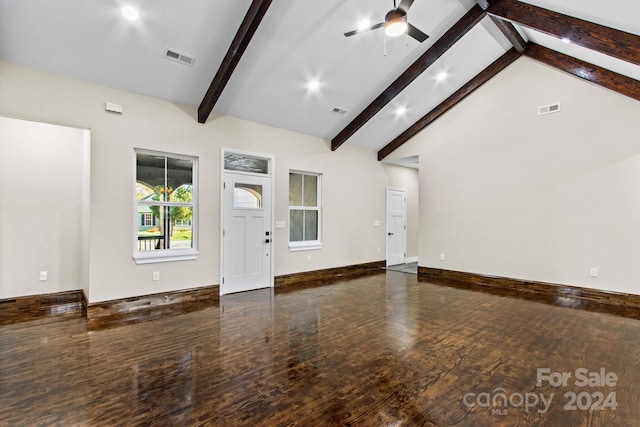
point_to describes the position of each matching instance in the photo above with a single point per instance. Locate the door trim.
(404, 223)
(272, 165)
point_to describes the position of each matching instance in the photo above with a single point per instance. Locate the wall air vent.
(179, 57)
(548, 109)
(339, 111)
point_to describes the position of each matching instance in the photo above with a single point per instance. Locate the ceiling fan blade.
(405, 5)
(416, 33)
(373, 27)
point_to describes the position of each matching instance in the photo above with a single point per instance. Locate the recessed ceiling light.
(566, 39)
(313, 85)
(130, 13)
(442, 76)
(364, 24)
(401, 110)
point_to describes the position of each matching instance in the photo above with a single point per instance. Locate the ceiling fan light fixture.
(395, 23)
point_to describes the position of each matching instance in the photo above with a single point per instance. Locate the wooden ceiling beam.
(483, 77)
(247, 29)
(612, 42)
(507, 29)
(444, 43)
(609, 79)
(511, 34)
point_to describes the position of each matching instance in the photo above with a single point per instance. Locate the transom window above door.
(246, 163)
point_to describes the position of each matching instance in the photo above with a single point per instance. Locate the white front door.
(246, 233)
(396, 226)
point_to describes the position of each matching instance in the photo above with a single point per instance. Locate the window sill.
(174, 255)
(304, 246)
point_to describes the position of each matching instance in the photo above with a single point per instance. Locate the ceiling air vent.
(179, 57)
(339, 111)
(548, 109)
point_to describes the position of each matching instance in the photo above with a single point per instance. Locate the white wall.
(407, 178)
(43, 207)
(354, 181)
(506, 192)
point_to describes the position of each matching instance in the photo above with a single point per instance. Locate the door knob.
(390, 234)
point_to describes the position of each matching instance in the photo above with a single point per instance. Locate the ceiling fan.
(395, 23)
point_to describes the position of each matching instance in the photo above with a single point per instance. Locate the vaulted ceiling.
(255, 59)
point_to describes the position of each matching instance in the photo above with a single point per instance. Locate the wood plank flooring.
(382, 350)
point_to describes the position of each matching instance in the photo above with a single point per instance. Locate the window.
(305, 219)
(147, 219)
(165, 207)
(246, 163)
(247, 196)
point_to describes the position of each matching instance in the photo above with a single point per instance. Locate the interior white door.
(246, 233)
(396, 226)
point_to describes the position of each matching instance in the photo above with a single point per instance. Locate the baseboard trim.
(126, 311)
(479, 281)
(409, 260)
(108, 314)
(305, 279)
(22, 309)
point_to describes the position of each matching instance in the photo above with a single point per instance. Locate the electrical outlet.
(442, 257)
(378, 250)
(308, 258)
(156, 276)
(594, 272)
(44, 275)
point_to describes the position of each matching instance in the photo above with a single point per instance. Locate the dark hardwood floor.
(382, 350)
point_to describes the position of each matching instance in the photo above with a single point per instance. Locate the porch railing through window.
(150, 243)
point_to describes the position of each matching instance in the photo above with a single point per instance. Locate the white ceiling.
(296, 41)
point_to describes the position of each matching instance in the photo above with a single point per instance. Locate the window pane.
(150, 172)
(164, 227)
(179, 173)
(310, 191)
(295, 225)
(180, 236)
(310, 225)
(295, 189)
(150, 236)
(238, 162)
(247, 196)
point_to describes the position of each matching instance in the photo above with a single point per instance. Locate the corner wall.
(509, 193)
(43, 214)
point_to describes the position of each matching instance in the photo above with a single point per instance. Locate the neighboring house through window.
(305, 210)
(165, 202)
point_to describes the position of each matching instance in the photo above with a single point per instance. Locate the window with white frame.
(305, 210)
(165, 200)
